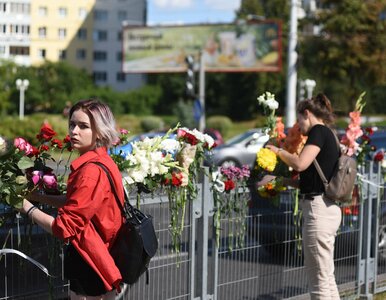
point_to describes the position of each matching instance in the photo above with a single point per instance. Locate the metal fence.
(260, 258)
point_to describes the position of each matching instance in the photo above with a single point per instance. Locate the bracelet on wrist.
(30, 210)
(279, 150)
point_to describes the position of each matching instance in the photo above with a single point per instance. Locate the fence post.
(202, 239)
(370, 204)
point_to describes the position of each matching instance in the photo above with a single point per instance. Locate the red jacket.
(89, 196)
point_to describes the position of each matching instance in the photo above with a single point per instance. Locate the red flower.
(369, 130)
(44, 148)
(176, 179)
(67, 139)
(35, 152)
(186, 136)
(46, 133)
(67, 142)
(229, 185)
(379, 156)
(57, 142)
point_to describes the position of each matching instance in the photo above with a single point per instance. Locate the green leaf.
(25, 163)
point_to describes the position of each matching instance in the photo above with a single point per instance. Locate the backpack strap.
(317, 166)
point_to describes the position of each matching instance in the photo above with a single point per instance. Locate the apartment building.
(15, 30)
(85, 33)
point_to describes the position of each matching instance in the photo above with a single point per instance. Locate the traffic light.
(189, 86)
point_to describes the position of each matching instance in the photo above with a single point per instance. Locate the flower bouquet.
(170, 164)
(23, 167)
(230, 202)
(267, 162)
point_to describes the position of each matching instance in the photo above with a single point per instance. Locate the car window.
(239, 138)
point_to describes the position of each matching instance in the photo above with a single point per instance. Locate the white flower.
(170, 145)
(209, 140)
(218, 184)
(272, 104)
(267, 100)
(2, 144)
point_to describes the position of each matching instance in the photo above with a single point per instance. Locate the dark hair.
(320, 106)
(101, 117)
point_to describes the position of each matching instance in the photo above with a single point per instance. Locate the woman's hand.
(265, 180)
(26, 206)
(273, 148)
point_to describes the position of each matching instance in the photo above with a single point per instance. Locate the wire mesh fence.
(259, 257)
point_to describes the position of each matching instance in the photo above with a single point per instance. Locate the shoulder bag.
(136, 241)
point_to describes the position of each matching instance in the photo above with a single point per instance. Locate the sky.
(166, 12)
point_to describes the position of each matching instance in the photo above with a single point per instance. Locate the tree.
(348, 56)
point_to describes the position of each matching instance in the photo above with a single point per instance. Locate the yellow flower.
(266, 159)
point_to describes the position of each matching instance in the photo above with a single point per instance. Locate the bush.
(151, 123)
(28, 128)
(221, 123)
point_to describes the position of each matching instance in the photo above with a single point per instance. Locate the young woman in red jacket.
(88, 215)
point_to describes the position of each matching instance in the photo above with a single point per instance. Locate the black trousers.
(83, 279)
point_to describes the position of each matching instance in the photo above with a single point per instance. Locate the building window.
(119, 35)
(20, 8)
(100, 35)
(81, 54)
(82, 13)
(82, 34)
(62, 54)
(62, 33)
(3, 7)
(100, 76)
(122, 15)
(119, 56)
(100, 55)
(42, 11)
(100, 15)
(42, 53)
(2, 50)
(3, 28)
(42, 32)
(15, 50)
(121, 77)
(62, 11)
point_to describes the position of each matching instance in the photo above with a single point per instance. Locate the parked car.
(239, 150)
(216, 135)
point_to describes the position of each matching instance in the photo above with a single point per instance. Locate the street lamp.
(310, 85)
(21, 85)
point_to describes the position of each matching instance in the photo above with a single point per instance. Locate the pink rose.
(23, 145)
(49, 181)
(36, 175)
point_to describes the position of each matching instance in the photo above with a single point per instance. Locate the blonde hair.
(101, 117)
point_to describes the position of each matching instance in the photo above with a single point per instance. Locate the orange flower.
(295, 140)
(279, 131)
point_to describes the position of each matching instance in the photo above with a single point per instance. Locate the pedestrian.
(88, 216)
(321, 216)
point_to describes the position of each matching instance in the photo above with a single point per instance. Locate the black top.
(327, 158)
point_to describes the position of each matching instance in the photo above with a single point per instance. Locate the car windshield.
(241, 137)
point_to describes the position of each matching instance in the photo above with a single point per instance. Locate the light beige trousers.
(321, 220)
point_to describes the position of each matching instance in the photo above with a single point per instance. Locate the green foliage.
(348, 57)
(142, 101)
(221, 123)
(28, 128)
(184, 112)
(151, 123)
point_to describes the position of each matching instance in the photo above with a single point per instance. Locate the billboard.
(248, 47)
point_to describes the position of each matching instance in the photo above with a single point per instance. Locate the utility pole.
(292, 68)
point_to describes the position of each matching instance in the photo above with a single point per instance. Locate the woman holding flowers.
(321, 216)
(88, 215)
